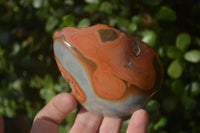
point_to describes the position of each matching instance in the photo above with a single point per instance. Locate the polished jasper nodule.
(110, 73)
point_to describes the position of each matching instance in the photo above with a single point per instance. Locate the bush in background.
(29, 77)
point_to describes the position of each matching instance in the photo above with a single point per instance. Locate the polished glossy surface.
(110, 73)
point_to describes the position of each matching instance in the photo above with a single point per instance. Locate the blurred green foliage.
(29, 77)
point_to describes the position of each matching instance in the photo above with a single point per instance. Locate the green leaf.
(177, 87)
(16, 49)
(62, 129)
(47, 94)
(71, 117)
(92, 1)
(68, 20)
(84, 23)
(91, 7)
(133, 27)
(161, 123)
(166, 14)
(123, 23)
(183, 41)
(149, 37)
(112, 21)
(173, 53)
(188, 102)
(197, 41)
(192, 56)
(24, 3)
(37, 3)
(69, 2)
(48, 81)
(175, 69)
(195, 88)
(136, 19)
(9, 112)
(63, 85)
(161, 52)
(52, 22)
(106, 7)
(152, 106)
(124, 126)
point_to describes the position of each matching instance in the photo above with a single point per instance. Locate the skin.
(1, 125)
(51, 116)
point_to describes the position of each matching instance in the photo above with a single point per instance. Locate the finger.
(49, 118)
(138, 122)
(86, 122)
(1, 124)
(111, 125)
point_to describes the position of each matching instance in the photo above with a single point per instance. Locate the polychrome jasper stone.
(110, 73)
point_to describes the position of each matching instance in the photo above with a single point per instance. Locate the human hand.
(51, 116)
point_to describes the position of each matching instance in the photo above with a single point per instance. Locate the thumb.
(50, 117)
